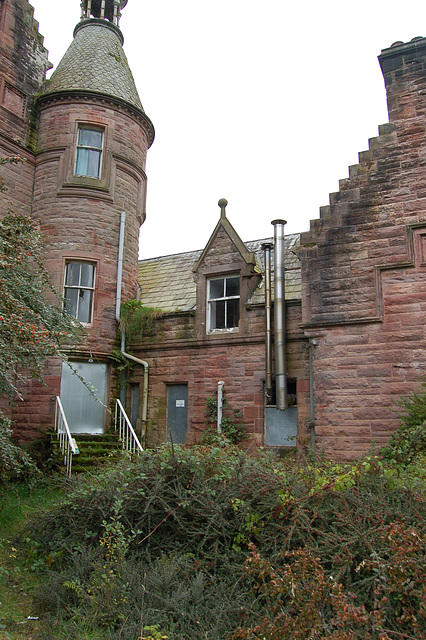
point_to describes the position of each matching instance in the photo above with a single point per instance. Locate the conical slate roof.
(95, 61)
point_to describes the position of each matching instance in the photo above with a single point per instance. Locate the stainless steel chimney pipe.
(279, 316)
(267, 246)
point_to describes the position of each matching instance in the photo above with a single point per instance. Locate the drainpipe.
(120, 265)
(145, 384)
(267, 246)
(117, 317)
(279, 316)
(220, 385)
(312, 343)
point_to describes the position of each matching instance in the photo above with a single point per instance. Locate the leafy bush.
(409, 440)
(233, 432)
(136, 319)
(14, 462)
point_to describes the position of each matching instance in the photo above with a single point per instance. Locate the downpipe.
(126, 355)
(145, 384)
(220, 386)
(312, 344)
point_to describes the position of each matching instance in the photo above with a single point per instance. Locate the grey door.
(134, 404)
(177, 412)
(84, 413)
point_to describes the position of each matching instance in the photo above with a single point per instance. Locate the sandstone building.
(84, 135)
(340, 342)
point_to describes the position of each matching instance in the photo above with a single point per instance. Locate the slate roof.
(95, 61)
(167, 282)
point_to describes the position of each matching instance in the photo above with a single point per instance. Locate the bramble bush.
(217, 544)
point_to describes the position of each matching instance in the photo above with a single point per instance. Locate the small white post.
(220, 385)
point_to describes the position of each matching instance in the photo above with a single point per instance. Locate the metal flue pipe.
(279, 316)
(267, 246)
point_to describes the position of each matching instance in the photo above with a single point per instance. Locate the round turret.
(90, 191)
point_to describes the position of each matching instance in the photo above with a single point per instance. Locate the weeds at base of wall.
(232, 430)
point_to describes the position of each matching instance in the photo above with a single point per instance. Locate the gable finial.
(222, 204)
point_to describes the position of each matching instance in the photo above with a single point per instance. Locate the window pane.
(87, 274)
(90, 138)
(233, 313)
(82, 162)
(70, 304)
(84, 305)
(88, 163)
(73, 274)
(217, 318)
(94, 164)
(216, 288)
(233, 286)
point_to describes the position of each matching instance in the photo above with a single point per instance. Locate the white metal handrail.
(67, 444)
(126, 433)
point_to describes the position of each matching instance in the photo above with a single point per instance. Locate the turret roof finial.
(104, 9)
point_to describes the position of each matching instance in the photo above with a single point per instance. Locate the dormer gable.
(226, 274)
(219, 242)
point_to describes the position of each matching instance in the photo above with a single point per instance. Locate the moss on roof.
(167, 282)
(95, 61)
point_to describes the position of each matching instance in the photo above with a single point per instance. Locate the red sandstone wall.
(80, 217)
(364, 274)
(175, 355)
(23, 63)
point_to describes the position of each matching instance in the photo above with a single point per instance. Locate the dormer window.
(223, 303)
(89, 152)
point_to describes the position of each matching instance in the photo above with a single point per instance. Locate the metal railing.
(126, 433)
(67, 444)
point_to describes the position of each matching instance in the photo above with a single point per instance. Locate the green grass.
(18, 503)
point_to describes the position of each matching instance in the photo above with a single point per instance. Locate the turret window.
(89, 152)
(79, 289)
(223, 303)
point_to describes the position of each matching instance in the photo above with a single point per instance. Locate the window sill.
(221, 332)
(85, 187)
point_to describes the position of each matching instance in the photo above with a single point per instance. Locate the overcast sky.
(265, 104)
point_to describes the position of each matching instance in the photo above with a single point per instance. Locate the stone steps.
(94, 450)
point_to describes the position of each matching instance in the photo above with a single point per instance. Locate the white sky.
(265, 104)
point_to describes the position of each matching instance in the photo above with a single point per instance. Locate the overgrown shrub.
(233, 431)
(409, 441)
(164, 543)
(137, 319)
(14, 462)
